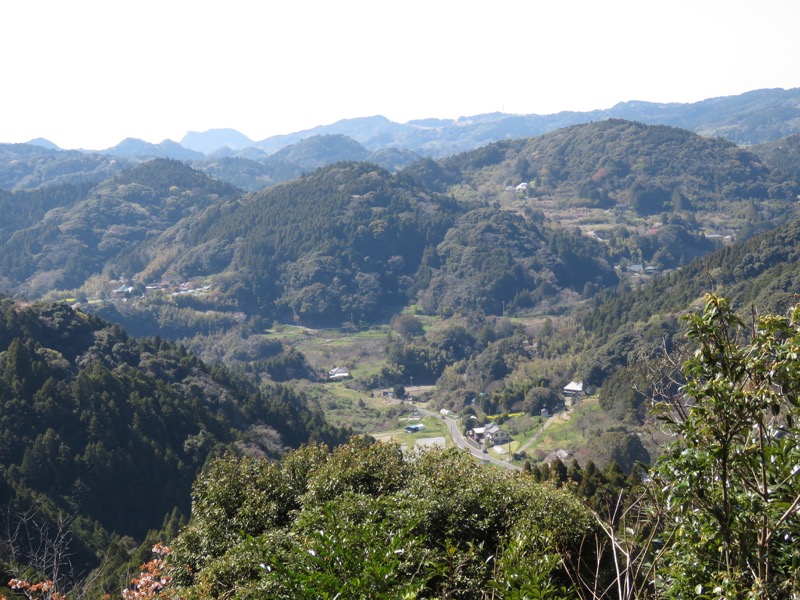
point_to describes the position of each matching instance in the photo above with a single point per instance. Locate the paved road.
(458, 438)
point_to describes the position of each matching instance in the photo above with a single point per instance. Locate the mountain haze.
(751, 118)
(755, 117)
(214, 139)
(135, 148)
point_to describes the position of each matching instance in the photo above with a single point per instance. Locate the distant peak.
(211, 140)
(44, 143)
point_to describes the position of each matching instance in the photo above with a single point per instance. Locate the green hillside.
(483, 284)
(491, 260)
(782, 155)
(339, 244)
(651, 167)
(111, 431)
(28, 166)
(88, 232)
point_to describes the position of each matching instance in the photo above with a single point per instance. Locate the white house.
(338, 373)
(491, 434)
(497, 437)
(573, 389)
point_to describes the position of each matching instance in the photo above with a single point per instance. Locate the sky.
(90, 73)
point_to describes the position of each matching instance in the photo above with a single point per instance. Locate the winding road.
(461, 442)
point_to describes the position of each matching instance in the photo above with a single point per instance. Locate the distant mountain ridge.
(136, 148)
(752, 118)
(209, 141)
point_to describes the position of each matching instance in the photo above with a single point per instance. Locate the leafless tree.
(33, 542)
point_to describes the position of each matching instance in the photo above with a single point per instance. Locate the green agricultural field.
(362, 352)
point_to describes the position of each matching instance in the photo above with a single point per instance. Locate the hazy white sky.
(89, 73)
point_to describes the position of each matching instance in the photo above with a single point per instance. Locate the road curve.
(458, 438)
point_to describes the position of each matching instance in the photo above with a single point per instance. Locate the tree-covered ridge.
(494, 259)
(115, 429)
(647, 166)
(782, 155)
(24, 208)
(631, 326)
(28, 166)
(252, 169)
(761, 272)
(352, 242)
(249, 174)
(750, 118)
(341, 243)
(165, 176)
(89, 232)
(322, 150)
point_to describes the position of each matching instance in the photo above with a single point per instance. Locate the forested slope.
(633, 327)
(113, 429)
(651, 167)
(86, 232)
(341, 243)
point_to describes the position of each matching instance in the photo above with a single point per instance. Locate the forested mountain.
(760, 275)
(44, 143)
(361, 129)
(82, 234)
(25, 208)
(249, 174)
(322, 150)
(762, 272)
(135, 148)
(114, 429)
(27, 166)
(339, 244)
(251, 169)
(652, 168)
(353, 242)
(752, 118)
(782, 155)
(491, 260)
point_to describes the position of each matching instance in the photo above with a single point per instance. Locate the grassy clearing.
(362, 412)
(434, 427)
(571, 430)
(509, 450)
(362, 352)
